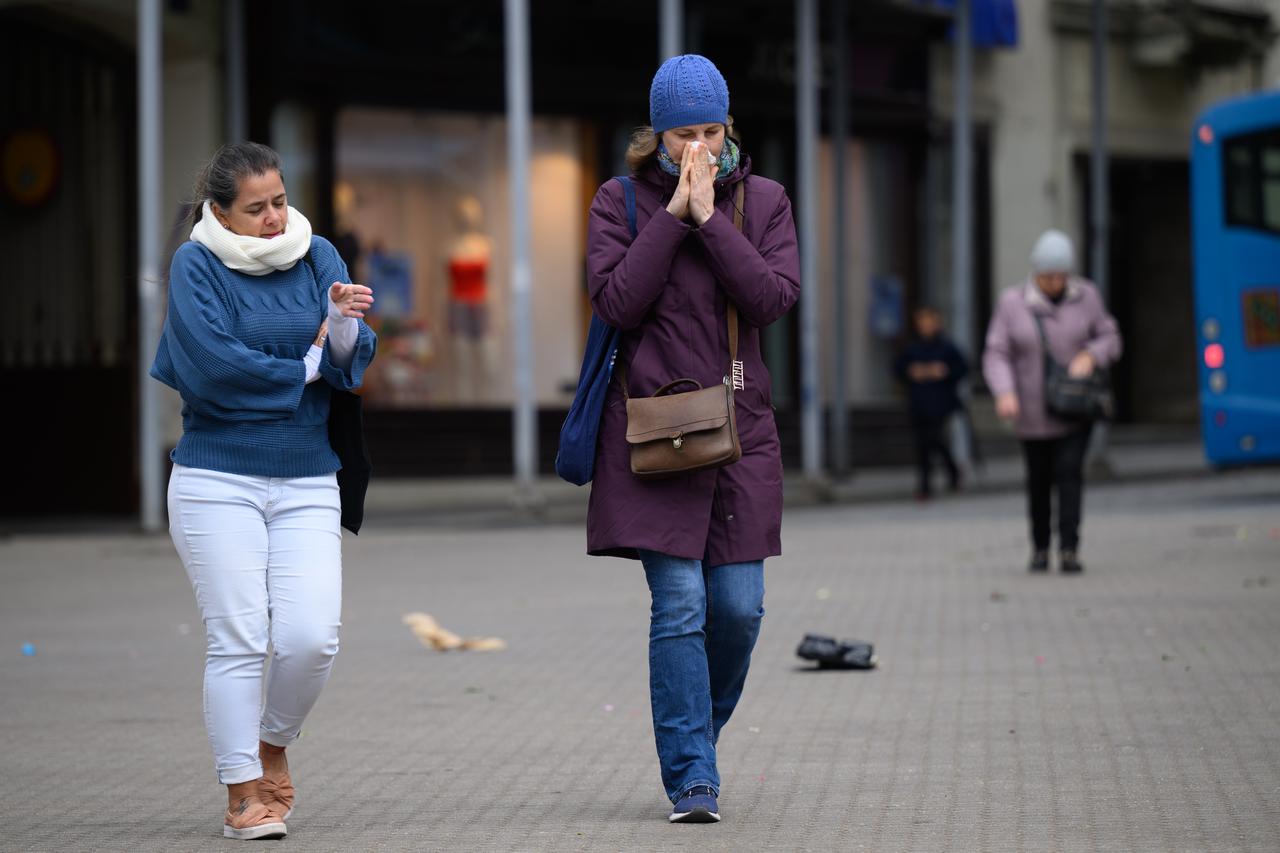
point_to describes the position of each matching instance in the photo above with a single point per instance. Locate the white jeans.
(264, 555)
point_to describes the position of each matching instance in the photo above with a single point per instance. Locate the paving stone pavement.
(1136, 708)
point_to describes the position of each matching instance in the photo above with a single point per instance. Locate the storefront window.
(879, 187)
(293, 134)
(421, 204)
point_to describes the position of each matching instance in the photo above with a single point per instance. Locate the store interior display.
(421, 202)
(468, 278)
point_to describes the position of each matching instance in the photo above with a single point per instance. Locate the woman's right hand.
(1007, 406)
(679, 204)
(322, 334)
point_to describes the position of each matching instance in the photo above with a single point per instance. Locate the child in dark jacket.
(932, 368)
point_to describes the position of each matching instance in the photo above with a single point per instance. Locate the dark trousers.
(1060, 462)
(929, 440)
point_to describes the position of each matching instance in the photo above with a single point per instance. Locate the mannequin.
(468, 274)
(345, 239)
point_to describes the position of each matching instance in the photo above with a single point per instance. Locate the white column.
(149, 307)
(807, 179)
(1098, 162)
(237, 119)
(1101, 196)
(525, 431)
(962, 208)
(670, 29)
(840, 359)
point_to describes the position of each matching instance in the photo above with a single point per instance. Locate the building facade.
(392, 123)
(1166, 61)
(69, 349)
(398, 128)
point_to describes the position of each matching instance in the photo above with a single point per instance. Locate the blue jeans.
(703, 626)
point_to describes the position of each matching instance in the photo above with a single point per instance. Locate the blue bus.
(1235, 224)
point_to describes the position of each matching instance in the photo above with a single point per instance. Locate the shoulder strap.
(1035, 316)
(629, 193)
(731, 310)
(1044, 341)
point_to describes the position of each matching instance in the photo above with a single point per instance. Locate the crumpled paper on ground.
(435, 636)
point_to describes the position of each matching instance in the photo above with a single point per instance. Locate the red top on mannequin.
(468, 280)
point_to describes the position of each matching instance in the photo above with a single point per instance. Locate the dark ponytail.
(219, 180)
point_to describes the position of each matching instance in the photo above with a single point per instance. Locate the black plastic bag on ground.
(830, 653)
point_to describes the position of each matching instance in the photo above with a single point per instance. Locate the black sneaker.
(1039, 561)
(830, 654)
(1069, 563)
(698, 805)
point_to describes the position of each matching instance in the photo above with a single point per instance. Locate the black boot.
(1039, 561)
(1069, 563)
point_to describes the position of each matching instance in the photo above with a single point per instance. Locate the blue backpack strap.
(580, 433)
(629, 192)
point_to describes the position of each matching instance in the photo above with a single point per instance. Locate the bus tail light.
(1214, 356)
(1219, 418)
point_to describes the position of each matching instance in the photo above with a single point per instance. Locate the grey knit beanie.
(1053, 253)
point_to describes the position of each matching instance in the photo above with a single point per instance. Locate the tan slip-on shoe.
(277, 793)
(252, 820)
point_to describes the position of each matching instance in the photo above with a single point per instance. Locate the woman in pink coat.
(1083, 336)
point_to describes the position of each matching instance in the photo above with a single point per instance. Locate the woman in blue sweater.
(262, 323)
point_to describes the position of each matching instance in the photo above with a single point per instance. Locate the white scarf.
(254, 255)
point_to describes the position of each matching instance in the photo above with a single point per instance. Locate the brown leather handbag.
(673, 434)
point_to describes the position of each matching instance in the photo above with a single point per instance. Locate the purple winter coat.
(1014, 358)
(666, 291)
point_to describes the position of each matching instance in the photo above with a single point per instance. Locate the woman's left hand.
(702, 187)
(1082, 365)
(351, 300)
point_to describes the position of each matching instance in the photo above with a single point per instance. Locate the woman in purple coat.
(1080, 334)
(702, 537)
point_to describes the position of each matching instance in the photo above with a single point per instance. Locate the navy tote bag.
(576, 457)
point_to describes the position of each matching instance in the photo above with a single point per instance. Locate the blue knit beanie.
(687, 90)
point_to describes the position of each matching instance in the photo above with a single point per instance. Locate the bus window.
(1270, 157)
(1239, 183)
(1251, 166)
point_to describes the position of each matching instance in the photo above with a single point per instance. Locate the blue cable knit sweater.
(233, 346)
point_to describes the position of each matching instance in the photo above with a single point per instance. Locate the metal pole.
(1100, 197)
(962, 206)
(807, 154)
(670, 29)
(1098, 165)
(839, 134)
(237, 122)
(524, 435)
(149, 171)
